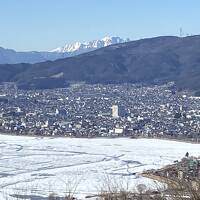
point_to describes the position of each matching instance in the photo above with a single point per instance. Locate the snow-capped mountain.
(88, 46)
(9, 56)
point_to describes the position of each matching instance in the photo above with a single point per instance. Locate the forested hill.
(165, 58)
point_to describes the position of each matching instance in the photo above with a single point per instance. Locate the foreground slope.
(164, 58)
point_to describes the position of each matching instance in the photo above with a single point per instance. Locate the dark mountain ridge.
(166, 58)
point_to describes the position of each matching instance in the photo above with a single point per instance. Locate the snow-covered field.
(38, 166)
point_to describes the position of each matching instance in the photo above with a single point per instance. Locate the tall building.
(115, 113)
(57, 112)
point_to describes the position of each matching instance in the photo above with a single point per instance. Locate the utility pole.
(198, 131)
(181, 32)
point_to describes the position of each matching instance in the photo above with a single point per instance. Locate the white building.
(57, 112)
(119, 131)
(115, 111)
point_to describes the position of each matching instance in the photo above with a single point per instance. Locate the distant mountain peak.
(9, 56)
(88, 46)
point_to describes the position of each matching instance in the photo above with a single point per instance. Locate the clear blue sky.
(46, 24)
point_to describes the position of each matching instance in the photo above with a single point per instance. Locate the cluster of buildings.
(100, 110)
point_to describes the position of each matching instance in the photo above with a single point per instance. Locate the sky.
(27, 25)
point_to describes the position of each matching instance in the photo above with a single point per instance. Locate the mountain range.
(78, 48)
(165, 58)
(9, 56)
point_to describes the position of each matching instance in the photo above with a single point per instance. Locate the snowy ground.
(38, 166)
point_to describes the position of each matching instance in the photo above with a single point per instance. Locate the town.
(132, 110)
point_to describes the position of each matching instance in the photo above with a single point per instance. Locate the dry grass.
(53, 196)
(113, 189)
(184, 190)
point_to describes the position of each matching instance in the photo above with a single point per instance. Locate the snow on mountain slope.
(9, 56)
(92, 45)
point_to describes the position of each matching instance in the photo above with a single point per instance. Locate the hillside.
(165, 58)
